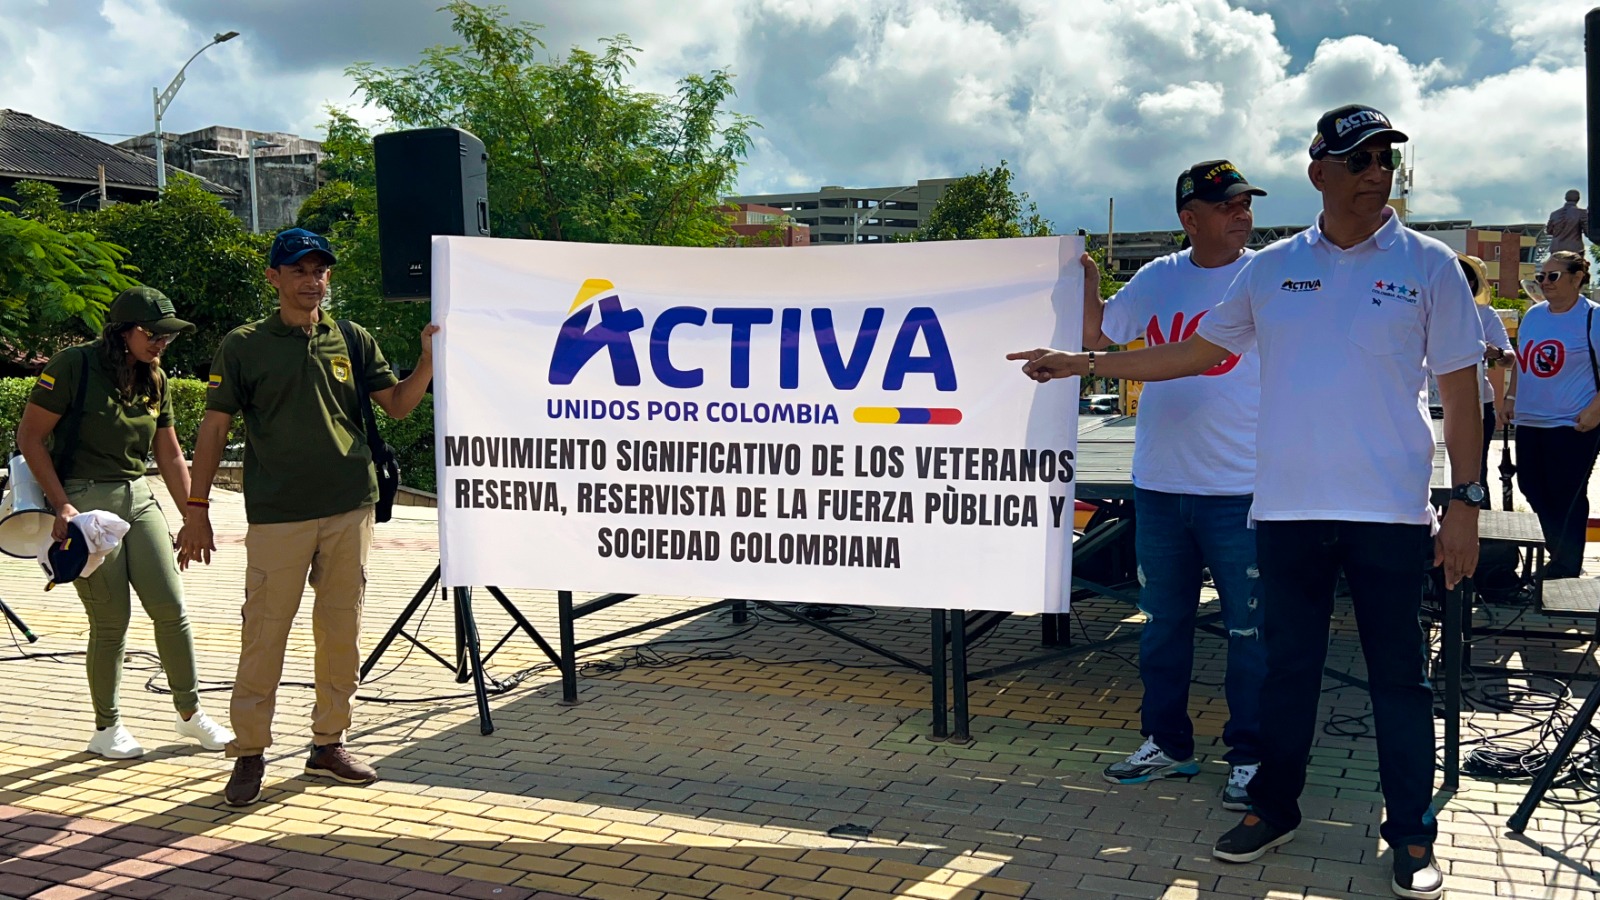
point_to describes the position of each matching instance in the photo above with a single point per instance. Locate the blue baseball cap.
(293, 243)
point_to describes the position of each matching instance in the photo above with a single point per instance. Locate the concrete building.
(766, 226)
(840, 215)
(287, 171)
(1508, 250)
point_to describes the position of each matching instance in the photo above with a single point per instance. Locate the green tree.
(55, 284)
(42, 203)
(983, 205)
(1108, 285)
(345, 210)
(189, 247)
(575, 153)
(327, 207)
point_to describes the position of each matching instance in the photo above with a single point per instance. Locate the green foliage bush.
(13, 397)
(412, 440)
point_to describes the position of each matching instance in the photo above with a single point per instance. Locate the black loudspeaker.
(1591, 55)
(431, 181)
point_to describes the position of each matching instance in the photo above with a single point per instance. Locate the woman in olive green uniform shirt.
(127, 410)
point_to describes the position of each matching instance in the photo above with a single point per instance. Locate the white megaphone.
(25, 518)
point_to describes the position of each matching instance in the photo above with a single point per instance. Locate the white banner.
(823, 425)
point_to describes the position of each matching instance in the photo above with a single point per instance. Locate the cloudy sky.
(1087, 99)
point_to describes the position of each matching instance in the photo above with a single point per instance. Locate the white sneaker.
(114, 743)
(1148, 763)
(200, 727)
(1236, 793)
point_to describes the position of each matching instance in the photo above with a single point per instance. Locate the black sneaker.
(1250, 840)
(244, 785)
(1417, 877)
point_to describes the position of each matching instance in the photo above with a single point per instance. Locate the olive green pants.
(144, 563)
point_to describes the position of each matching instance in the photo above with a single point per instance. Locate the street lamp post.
(255, 208)
(163, 100)
(855, 215)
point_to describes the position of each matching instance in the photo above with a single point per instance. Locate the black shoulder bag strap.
(61, 457)
(1588, 338)
(358, 361)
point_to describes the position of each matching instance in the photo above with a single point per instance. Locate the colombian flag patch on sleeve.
(214, 383)
(48, 382)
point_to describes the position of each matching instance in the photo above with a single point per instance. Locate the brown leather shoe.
(244, 785)
(334, 761)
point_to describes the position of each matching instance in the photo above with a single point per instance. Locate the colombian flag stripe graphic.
(907, 415)
(48, 382)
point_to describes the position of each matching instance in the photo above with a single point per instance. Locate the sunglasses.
(1547, 276)
(1361, 160)
(291, 245)
(154, 338)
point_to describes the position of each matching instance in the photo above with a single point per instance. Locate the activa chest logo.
(582, 339)
(1312, 285)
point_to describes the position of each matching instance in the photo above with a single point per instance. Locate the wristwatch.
(1472, 492)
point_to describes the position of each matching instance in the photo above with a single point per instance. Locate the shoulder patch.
(214, 382)
(48, 382)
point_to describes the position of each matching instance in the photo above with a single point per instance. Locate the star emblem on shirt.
(1413, 292)
(1379, 285)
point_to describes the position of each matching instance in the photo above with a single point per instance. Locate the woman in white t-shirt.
(1555, 403)
(1496, 353)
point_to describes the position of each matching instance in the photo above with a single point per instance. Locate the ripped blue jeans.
(1177, 536)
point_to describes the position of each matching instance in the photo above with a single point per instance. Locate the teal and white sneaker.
(1148, 763)
(1236, 793)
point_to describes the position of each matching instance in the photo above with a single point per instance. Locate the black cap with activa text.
(1341, 130)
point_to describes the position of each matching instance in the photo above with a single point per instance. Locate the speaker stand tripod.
(17, 621)
(470, 660)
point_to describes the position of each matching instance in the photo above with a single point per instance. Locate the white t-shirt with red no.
(1193, 435)
(1554, 378)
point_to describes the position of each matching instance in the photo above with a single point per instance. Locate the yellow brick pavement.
(717, 767)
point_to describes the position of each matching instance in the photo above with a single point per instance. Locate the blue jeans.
(1176, 535)
(1385, 567)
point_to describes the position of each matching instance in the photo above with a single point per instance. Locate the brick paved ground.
(717, 776)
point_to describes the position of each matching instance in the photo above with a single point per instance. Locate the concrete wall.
(285, 174)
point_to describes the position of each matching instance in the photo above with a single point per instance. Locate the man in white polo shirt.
(1194, 468)
(1346, 316)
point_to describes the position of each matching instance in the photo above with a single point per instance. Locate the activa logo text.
(1358, 119)
(1313, 285)
(581, 339)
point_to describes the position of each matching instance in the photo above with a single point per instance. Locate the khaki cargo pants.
(333, 552)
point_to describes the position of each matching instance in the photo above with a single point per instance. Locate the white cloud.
(1085, 99)
(1098, 98)
(1547, 32)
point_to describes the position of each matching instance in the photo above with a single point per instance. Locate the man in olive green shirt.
(309, 490)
